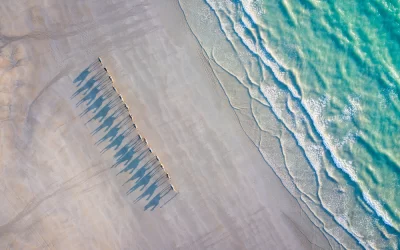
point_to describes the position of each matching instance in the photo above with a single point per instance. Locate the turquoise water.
(315, 85)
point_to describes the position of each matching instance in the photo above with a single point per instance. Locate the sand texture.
(59, 191)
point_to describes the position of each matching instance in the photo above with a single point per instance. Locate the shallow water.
(315, 86)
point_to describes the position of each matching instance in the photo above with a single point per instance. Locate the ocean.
(315, 86)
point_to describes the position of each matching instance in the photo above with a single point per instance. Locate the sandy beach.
(58, 191)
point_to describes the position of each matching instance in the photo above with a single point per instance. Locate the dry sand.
(59, 192)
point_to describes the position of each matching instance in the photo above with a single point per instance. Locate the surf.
(272, 83)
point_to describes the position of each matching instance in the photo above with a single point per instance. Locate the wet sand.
(60, 192)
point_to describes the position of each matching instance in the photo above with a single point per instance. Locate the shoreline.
(248, 81)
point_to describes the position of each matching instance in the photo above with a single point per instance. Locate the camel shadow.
(82, 76)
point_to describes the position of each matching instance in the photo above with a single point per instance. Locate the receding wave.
(288, 128)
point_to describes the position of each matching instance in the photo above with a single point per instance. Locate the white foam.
(350, 138)
(378, 208)
(253, 7)
(316, 108)
(351, 110)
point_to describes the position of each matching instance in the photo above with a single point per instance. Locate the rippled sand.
(60, 192)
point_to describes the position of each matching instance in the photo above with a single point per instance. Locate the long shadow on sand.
(115, 124)
(82, 76)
